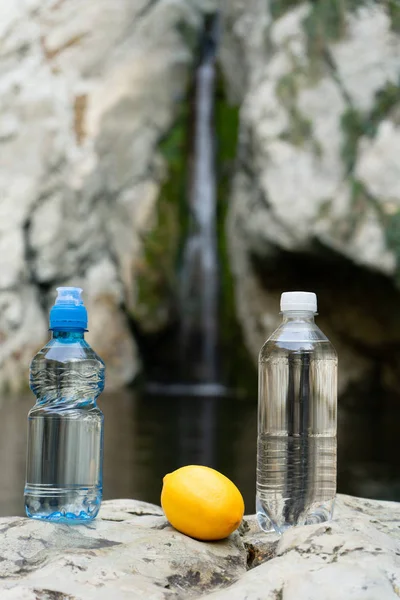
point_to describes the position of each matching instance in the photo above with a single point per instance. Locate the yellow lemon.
(202, 503)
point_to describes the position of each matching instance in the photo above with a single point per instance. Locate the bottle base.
(74, 505)
(316, 513)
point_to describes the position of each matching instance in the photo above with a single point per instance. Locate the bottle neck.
(298, 316)
(71, 335)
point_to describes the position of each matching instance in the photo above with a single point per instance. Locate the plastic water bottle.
(65, 427)
(296, 462)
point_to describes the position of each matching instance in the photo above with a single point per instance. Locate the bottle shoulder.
(67, 373)
(62, 352)
(298, 338)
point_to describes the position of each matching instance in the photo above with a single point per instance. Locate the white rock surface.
(297, 180)
(132, 552)
(87, 90)
(356, 556)
(378, 168)
(317, 176)
(364, 67)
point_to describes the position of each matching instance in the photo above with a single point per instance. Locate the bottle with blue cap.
(296, 453)
(65, 427)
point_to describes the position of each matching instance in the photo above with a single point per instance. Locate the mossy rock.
(239, 370)
(355, 124)
(157, 273)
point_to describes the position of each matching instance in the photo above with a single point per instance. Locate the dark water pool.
(148, 436)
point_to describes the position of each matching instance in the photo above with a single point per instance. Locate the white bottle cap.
(299, 301)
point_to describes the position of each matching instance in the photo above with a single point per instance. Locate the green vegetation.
(156, 274)
(286, 89)
(279, 7)
(157, 271)
(189, 34)
(300, 129)
(385, 100)
(326, 22)
(325, 208)
(239, 368)
(393, 7)
(359, 203)
(354, 124)
(327, 18)
(361, 199)
(392, 230)
(156, 277)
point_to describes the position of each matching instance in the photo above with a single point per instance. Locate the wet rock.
(132, 552)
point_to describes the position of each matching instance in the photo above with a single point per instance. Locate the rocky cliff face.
(91, 98)
(93, 132)
(315, 201)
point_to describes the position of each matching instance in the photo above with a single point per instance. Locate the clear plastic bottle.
(296, 455)
(65, 427)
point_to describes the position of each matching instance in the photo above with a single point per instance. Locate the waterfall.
(199, 274)
(191, 365)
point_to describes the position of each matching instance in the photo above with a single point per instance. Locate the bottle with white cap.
(296, 453)
(65, 427)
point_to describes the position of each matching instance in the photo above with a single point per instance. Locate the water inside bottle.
(64, 464)
(296, 480)
(296, 461)
(65, 432)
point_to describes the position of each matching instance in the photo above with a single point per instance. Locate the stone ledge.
(132, 552)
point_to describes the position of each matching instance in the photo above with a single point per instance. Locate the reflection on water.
(147, 436)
